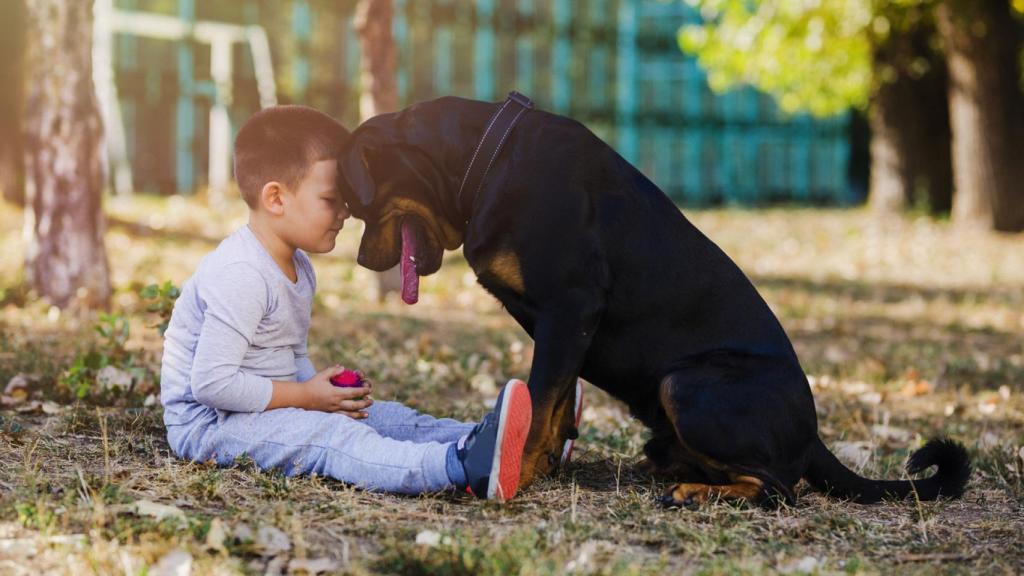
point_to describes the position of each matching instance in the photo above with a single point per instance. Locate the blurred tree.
(377, 66)
(983, 44)
(883, 55)
(66, 261)
(12, 45)
(908, 114)
(378, 91)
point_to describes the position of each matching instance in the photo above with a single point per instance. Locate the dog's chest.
(500, 273)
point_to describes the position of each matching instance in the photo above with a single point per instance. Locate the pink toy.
(348, 379)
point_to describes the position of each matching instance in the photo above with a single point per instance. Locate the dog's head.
(393, 181)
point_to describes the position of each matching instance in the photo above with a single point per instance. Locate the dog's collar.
(498, 128)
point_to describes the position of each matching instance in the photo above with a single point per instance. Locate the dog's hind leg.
(747, 488)
(741, 425)
(666, 458)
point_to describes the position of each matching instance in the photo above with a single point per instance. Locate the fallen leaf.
(585, 558)
(805, 565)
(894, 433)
(18, 382)
(216, 536)
(113, 378)
(175, 563)
(428, 538)
(484, 384)
(14, 400)
(312, 566)
(871, 398)
(271, 541)
(989, 440)
(988, 405)
(854, 454)
(33, 406)
(242, 532)
(916, 388)
(157, 510)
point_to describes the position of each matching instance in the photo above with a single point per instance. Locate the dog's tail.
(826, 473)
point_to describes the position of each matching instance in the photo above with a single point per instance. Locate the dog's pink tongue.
(410, 280)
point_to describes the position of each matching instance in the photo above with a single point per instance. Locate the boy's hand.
(318, 393)
(326, 397)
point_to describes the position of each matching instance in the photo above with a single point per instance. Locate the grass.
(909, 329)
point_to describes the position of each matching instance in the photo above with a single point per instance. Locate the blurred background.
(903, 105)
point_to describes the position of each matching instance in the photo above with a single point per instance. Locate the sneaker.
(492, 453)
(577, 412)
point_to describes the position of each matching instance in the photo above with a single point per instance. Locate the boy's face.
(314, 212)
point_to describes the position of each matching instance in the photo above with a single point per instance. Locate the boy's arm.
(288, 395)
(235, 304)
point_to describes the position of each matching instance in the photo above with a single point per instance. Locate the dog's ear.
(354, 164)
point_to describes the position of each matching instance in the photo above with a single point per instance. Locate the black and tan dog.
(614, 284)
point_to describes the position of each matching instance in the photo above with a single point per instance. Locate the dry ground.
(908, 329)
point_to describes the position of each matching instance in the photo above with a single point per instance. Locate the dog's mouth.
(404, 241)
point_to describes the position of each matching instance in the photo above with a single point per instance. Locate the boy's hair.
(281, 144)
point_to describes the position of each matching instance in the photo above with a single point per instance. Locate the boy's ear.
(270, 198)
(354, 163)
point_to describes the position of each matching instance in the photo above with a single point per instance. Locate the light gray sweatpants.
(395, 449)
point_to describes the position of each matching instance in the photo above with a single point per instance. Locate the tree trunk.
(909, 117)
(66, 262)
(982, 42)
(12, 46)
(379, 93)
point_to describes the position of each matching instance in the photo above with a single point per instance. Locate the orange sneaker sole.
(513, 429)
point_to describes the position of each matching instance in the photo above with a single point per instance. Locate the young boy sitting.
(236, 376)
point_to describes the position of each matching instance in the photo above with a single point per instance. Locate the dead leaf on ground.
(157, 510)
(271, 541)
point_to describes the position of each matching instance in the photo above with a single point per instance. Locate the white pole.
(220, 123)
(260, 48)
(106, 95)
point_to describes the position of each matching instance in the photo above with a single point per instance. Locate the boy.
(236, 377)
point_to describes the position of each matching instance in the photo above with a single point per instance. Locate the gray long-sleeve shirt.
(238, 324)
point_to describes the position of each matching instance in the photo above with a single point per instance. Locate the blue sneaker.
(577, 413)
(492, 454)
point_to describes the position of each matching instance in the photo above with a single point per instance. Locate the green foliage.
(161, 297)
(81, 375)
(36, 515)
(114, 329)
(812, 55)
(86, 377)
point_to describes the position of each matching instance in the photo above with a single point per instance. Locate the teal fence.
(613, 64)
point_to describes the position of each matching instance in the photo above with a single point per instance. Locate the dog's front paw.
(689, 496)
